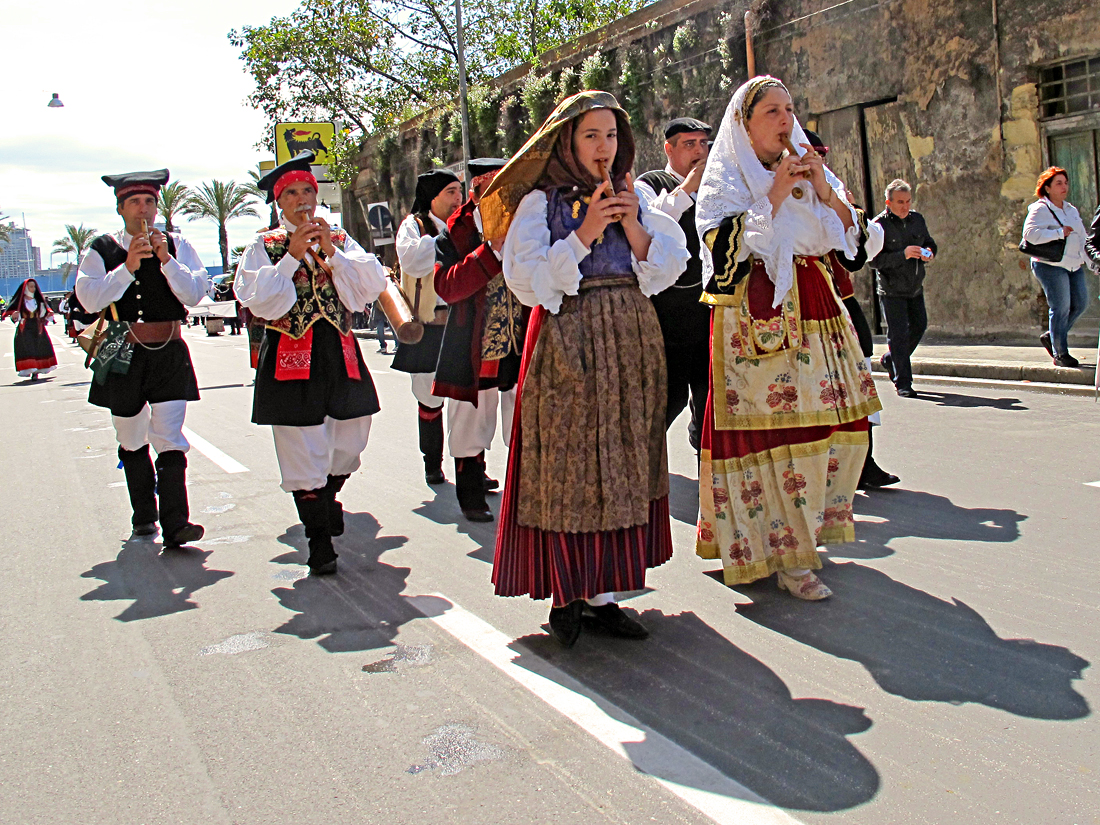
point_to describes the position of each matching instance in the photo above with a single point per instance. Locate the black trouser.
(688, 373)
(906, 321)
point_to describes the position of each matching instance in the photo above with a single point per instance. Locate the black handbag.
(1052, 251)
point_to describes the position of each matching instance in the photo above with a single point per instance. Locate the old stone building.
(967, 99)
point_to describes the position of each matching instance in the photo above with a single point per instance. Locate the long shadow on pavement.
(444, 509)
(950, 399)
(923, 648)
(898, 513)
(157, 583)
(689, 683)
(360, 608)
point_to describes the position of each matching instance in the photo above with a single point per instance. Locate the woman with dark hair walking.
(34, 355)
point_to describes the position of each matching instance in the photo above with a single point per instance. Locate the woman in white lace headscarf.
(786, 425)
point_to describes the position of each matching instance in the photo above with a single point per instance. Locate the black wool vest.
(684, 321)
(149, 297)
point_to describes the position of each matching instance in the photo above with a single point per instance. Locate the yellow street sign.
(292, 138)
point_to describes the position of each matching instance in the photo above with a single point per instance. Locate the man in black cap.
(482, 343)
(312, 384)
(684, 321)
(438, 195)
(150, 278)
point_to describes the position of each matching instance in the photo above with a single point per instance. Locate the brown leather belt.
(154, 333)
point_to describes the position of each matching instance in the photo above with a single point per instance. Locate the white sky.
(145, 86)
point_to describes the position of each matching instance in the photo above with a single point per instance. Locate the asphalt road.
(947, 681)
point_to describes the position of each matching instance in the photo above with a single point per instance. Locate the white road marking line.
(230, 465)
(1092, 483)
(696, 782)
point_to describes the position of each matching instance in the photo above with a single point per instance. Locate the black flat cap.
(430, 184)
(299, 163)
(483, 166)
(685, 124)
(137, 183)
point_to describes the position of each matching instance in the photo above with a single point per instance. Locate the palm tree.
(253, 186)
(5, 230)
(221, 202)
(76, 240)
(172, 198)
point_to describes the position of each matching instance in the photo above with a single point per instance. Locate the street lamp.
(55, 102)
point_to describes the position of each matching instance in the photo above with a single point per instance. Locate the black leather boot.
(175, 528)
(431, 443)
(313, 510)
(141, 484)
(335, 508)
(470, 487)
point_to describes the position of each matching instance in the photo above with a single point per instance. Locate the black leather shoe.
(876, 477)
(565, 622)
(326, 569)
(491, 484)
(886, 361)
(1066, 360)
(907, 392)
(612, 619)
(478, 515)
(434, 477)
(1044, 339)
(148, 529)
(184, 535)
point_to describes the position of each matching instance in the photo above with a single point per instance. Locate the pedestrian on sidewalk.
(1053, 218)
(906, 248)
(34, 355)
(379, 322)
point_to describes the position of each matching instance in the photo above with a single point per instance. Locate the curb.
(1036, 373)
(1079, 390)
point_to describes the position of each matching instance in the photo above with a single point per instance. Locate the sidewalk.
(995, 363)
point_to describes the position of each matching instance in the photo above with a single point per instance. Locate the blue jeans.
(1067, 295)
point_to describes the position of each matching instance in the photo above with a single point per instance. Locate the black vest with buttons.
(149, 297)
(684, 321)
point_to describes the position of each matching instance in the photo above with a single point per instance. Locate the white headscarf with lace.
(735, 179)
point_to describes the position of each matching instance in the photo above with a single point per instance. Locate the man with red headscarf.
(482, 343)
(312, 385)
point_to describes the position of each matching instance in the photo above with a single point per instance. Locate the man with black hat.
(684, 321)
(482, 343)
(150, 278)
(438, 195)
(312, 384)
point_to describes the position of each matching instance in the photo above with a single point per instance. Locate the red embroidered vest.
(317, 296)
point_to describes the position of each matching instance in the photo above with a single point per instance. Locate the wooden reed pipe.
(605, 173)
(791, 148)
(750, 56)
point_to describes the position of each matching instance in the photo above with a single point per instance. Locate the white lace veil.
(735, 179)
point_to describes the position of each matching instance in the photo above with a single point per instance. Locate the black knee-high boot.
(470, 487)
(336, 509)
(141, 484)
(313, 510)
(431, 443)
(175, 527)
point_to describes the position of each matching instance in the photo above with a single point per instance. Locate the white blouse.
(814, 228)
(268, 291)
(1040, 226)
(416, 252)
(97, 288)
(541, 273)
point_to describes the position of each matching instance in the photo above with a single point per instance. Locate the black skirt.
(421, 357)
(33, 348)
(155, 375)
(327, 392)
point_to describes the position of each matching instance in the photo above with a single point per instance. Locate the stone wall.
(897, 88)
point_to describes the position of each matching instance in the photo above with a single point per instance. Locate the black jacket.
(898, 276)
(1092, 242)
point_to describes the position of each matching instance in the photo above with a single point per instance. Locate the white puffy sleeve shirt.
(267, 289)
(813, 228)
(541, 273)
(97, 288)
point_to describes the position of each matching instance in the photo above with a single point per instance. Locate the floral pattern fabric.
(317, 295)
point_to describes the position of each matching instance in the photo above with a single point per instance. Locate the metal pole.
(463, 108)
